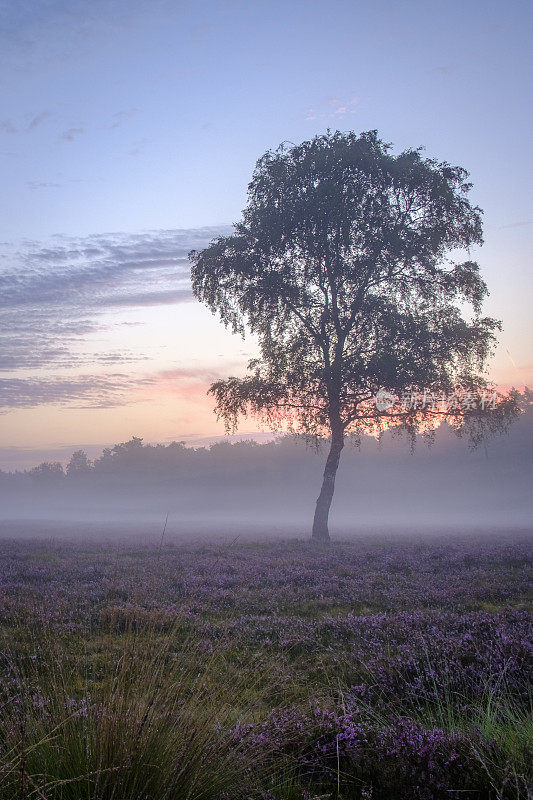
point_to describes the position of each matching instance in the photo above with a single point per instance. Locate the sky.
(129, 131)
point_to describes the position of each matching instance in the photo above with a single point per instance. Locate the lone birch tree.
(341, 269)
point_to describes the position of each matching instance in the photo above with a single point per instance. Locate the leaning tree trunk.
(323, 504)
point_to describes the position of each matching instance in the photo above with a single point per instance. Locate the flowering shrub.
(401, 760)
(377, 669)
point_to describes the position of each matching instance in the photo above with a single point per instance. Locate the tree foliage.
(341, 267)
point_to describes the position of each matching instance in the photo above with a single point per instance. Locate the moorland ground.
(386, 666)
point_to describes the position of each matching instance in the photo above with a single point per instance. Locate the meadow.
(379, 667)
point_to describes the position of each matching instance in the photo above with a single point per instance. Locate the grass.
(140, 718)
(141, 699)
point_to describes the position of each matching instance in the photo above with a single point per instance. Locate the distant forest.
(379, 483)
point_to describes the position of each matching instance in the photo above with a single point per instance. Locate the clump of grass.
(501, 733)
(497, 725)
(139, 720)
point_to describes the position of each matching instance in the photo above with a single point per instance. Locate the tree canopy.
(341, 267)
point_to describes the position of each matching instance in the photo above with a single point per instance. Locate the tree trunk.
(323, 504)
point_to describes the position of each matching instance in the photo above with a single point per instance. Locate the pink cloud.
(340, 109)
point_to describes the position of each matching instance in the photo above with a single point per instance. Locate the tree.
(340, 267)
(47, 471)
(79, 464)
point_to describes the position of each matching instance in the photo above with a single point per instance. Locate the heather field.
(379, 667)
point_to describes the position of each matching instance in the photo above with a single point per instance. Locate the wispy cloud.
(53, 295)
(444, 69)
(37, 120)
(518, 224)
(84, 391)
(332, 108)
(72, 133)
(161, 298)
(138, 147)
(42, 185)
(121, 116)
(6, 126)
(104, 391)
(61, 31)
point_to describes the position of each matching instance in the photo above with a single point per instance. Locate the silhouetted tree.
(124, 454)
(79, 464)
(340, 269)
(47, 471)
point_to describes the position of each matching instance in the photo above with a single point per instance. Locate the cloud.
(42, 185)
(138, 147)
(120, 116)
(332, 108)
(60, 32)
(341, 109)
(518, 224)
(444, 69)
(6, 126)
(37, 120)
(72, 133)
(53, 295)
(104, 391)
(165, 297)
(84, 391)
(202, 374)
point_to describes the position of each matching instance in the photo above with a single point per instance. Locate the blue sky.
(128, 127)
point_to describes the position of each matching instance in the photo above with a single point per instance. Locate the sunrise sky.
(128, 133)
